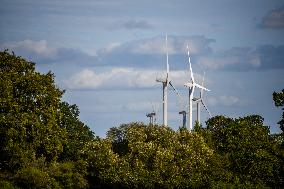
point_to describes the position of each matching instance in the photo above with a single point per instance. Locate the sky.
(107, 54)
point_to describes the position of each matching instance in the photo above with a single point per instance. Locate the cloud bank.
(151, 54)
(123, 78)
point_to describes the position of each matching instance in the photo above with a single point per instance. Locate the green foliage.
(29, 103)
(31, 177)
(69, 174)
(4, 184)
(78, 134)
(218, 122)
(38, 174)
(252, 156)
(118, 138)
(157, 157)
(197, 127)
(278, 98)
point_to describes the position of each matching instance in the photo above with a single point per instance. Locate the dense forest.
(45, 145)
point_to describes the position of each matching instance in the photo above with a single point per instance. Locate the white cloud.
(40, 48)
(124, 78)
(114, 78)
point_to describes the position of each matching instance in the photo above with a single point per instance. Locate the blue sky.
(107, 54)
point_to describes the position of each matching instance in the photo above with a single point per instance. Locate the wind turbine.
(165, 83)
(152, 116)
(199, 100)
(191, 86)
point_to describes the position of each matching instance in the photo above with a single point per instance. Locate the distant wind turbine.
(199, 100)
(152, 116)
(191, 86)
(165, 83)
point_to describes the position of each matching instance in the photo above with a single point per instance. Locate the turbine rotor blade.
(174, 89)
(201, 87)
(168, 67)
(181, 101)
(191, 73)
(189, 62)
(206, 108)
(192, 92)
(202, 84)
(203, 79)
(167, 54)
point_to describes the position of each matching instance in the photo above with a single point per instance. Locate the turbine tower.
(183, 112)
(183, 118)
(191, 86)
(165, 83)
(199, 100)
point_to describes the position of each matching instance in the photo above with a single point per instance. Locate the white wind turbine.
(165, 83)
(191, 86)
(199, 100)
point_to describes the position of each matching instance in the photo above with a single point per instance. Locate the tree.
(278, 98)
(218, 122)
(118, 138)
(29, 113)
(156, 157)
(39, 174)
(78, 134)
(252, 156)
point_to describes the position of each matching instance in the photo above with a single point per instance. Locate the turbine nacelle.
(189, 85)
(151, 114)
(192, 84)
(162, 80)
(182, 112)
(195, 99)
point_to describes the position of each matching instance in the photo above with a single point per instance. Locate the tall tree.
(29, 113)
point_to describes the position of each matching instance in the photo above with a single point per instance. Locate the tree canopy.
(29, 104)
(37, 129)
(278, 98)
